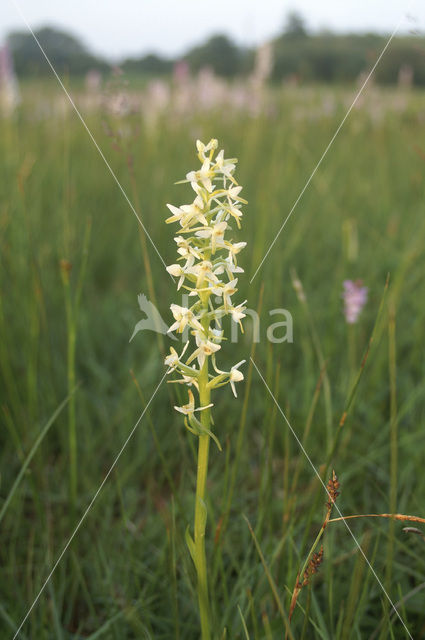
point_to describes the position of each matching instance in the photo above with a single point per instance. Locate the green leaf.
(31, 454)
(190, 543)
(196, 427)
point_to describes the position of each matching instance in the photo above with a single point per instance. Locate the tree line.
(299, 55)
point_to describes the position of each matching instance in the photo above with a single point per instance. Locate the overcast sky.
(116, 28)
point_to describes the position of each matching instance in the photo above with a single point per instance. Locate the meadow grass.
(127, 573)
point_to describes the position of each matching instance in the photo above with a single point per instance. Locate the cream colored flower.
(185, 249)
(226, 167)
(208, 264)
(236, 376)
(226, 290)
(173, 359)
(203, 271)
(237, 313)
(189, 408)
(183, 317)
(215, 233)
(177, 271)
(202, 148)
(187, 214)
(205, 348)
(234, 249)
(203, 176)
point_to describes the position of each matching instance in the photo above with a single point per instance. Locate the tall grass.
(127, 573)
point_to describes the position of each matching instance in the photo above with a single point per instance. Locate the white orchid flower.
(226, 290)
(236, 376)
(183, 317)
(185, 249)
(237, 313)
(205, 348)
(173, 359)
(189, 408)
(226, 167)
(215, 233)
(206, 267)
(203, 176)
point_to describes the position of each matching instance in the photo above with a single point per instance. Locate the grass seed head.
(313, 566)
(332, 489)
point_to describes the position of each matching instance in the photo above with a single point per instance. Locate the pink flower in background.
(181, 72)
(355, 298)
(9, 92)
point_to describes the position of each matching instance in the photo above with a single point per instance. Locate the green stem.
(393, 456)
(201, 509)
(71, 412)
(71, 342)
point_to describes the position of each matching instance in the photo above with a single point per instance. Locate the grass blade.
(32, 452)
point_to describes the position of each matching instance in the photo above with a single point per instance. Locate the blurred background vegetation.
(298, 55)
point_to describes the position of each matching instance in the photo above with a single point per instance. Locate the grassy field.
(74, 259)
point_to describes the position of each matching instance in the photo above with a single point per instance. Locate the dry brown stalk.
(314, 559)
(393, 516)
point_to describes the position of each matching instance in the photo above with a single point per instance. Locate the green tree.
(65, 51)
(150, 64)
(219, 53)
(295, 26)
(408, 53)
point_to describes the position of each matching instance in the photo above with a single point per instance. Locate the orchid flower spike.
(205, 266)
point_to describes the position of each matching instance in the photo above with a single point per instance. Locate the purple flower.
(355, 298)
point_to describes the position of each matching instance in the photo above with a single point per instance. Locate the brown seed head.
(313, 566)
(333, 493)
(65, 266)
